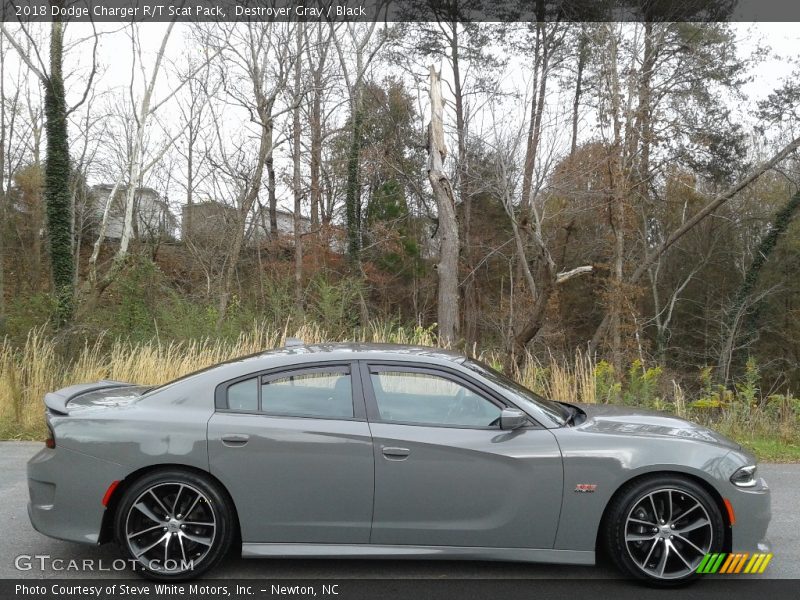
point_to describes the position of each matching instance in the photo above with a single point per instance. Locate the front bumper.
(66, 491)
(752, 508)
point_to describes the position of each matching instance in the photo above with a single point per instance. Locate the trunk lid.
(101, 394)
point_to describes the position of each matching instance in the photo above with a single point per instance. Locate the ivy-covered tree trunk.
(56, 178)
(783, 219)
(352, 200)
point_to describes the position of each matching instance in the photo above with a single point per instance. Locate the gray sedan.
(356, 450)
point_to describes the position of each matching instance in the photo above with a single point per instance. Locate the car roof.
(360, 349)
(304, 353)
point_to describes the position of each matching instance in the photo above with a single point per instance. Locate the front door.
(295, 452)
(446, 474)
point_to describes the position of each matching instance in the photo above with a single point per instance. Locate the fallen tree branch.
(567, 275)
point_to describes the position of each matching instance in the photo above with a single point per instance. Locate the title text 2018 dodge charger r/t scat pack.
(362, 450)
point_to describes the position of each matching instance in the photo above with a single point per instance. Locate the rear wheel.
(174, 525)
(659, 529)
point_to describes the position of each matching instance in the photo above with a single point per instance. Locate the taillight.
(50, 442)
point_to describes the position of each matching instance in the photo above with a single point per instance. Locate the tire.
(658, 529)
(174, 525)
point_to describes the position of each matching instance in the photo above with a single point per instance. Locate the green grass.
(773, 449)
(11, 431)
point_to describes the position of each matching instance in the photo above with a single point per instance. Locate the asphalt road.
(17, 537)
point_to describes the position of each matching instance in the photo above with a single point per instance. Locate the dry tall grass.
(27, 373)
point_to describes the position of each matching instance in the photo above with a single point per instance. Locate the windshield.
(524, 397)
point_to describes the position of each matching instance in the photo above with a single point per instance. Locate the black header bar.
(393, 11)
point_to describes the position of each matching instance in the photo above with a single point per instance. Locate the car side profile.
(369, 450)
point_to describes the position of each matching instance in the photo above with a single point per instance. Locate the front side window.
(324, 393)
(522, 396)
(425, 398)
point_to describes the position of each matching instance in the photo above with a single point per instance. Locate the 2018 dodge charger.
(364, 450)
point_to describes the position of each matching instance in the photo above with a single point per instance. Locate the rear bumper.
(66, 490)
(752, 507)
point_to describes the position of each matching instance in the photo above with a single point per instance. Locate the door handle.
(393, 453)
(235, 439)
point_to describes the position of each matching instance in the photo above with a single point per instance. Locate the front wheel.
(659, 529)
(174, 525)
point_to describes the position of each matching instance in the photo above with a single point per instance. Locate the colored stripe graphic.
(725, 563)
(701, 568)
(752, 563)
(740, 566)
(717, 563)
(764, 564)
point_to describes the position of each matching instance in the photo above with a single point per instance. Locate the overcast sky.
(115, 55)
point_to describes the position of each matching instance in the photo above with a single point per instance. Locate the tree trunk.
(782, 220)
(101, 234)
(541, 60)
(135, 164)
(190, 180)
(57, 177)
(315, 126)
(352, 199)
(617, 208)
(271, 190)
(2, 176)
(296, 183)
(447, 267)
(251, 193)
(470, 322)
(583, 42)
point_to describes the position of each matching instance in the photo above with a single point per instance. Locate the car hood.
(627, 421)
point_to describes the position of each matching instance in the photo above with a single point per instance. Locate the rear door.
(294, 449)
(446, 474)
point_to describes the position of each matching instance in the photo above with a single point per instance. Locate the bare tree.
(57, 166)
(297, 99)
(363, 47)
(255, 63)
(317, 55)
(447, 267)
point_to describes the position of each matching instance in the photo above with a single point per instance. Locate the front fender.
(610, 461)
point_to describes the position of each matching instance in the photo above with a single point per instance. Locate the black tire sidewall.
(623, 503)
(222, 509)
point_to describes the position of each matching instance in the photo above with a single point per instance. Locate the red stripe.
(109, 492)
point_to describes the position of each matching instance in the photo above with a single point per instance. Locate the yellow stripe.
(751, 563)
(757, 564)
(727, 563)
(741, 562)
(764, 564)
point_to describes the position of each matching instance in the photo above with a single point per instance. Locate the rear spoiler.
(57, 401)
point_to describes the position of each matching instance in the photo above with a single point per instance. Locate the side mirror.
(512, 418)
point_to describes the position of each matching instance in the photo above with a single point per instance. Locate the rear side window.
(243, 395)
(325, 393)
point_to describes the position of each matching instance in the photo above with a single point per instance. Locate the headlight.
(744, 477)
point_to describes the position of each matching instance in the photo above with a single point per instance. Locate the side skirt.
(570, 557)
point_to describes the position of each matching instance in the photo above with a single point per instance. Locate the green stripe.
(701, 568)
(717, 564)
